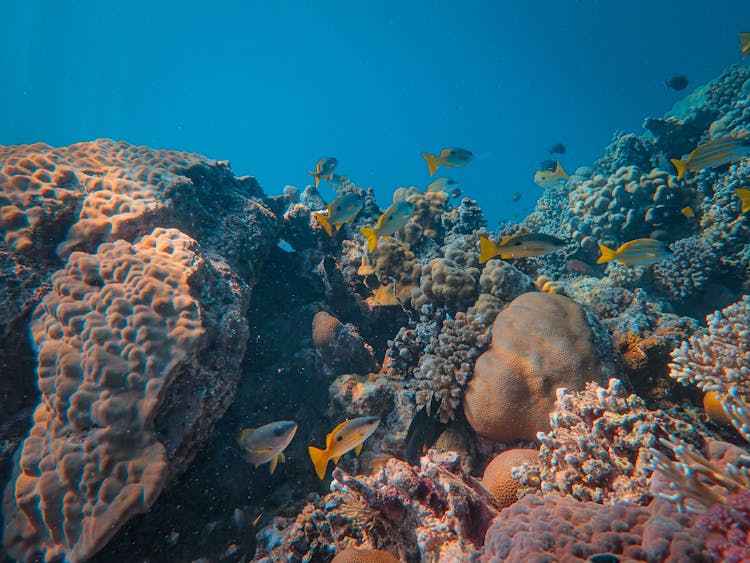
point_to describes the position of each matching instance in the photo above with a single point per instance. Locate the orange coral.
(324, 329)
(540, 342)
(111, 337)
(497, 478)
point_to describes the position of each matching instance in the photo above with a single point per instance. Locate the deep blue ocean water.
(272, 86)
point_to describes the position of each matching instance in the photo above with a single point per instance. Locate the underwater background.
(273, 86)
(349, 282)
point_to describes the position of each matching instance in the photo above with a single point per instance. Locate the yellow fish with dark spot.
(519, 246)
(744, 196)
(450, 158)
(341, 210)
(638, 252)
(546, 178)
(267, 443)
(347, 436)
(712, 154)
(324, 169)
(687, 211)
(392, 219)
(443, 185)
(745, 44)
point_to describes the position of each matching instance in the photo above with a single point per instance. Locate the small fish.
(638, 252)
(324, 169)
(516, 196)
(341, 210)
(745, 44)
(392, 219)
(678, 82)
(442, 185)
(557, 148)
(519, 246)
(450, 158)
(687, 211)
(385, 295)
(339, 181)
(744, 196)
(349, 435)
(423, 432)
(545, 178)
(712, 154)
(267, 443)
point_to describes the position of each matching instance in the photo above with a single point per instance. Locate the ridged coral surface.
(111, 336)
(540, 342)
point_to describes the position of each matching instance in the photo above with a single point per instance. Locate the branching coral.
(597, 447)
(448, 360)
(688, 270)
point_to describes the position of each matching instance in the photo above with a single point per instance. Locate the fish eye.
(339, 438)
(338, 208)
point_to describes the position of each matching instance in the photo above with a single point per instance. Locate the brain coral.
(445, 282)
(123, 345)
(498, 478)
(540, 342)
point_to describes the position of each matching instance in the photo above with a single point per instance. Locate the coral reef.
(118, 336)
(434, 512)
(340, 345)
(688, 271)
(540, 342)
(560, 528)
(448, 358)
(719, 359)
(498, 475)
(597, 449)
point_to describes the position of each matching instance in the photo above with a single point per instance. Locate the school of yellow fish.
(267, 443)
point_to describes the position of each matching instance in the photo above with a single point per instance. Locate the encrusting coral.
(115, 336)
(540, 342)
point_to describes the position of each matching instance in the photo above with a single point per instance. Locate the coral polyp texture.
(719, 359)
(540, 342)
(116, 333)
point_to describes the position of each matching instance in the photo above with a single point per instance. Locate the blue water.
(272, 86)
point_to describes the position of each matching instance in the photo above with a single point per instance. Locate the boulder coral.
(135, 364)
(498, 475)
(540, 342)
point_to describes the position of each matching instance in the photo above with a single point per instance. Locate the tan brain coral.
(497, 478)
(540, 342)
(354, 555)
(102, 190)
(111, 337)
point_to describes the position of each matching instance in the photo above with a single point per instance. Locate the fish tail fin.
(372, 237)
(681, 166)
(560, 171)
(744, 196)
(607, 254)
(324, 222)
(433, 162)
(487, 249)
(320, 460)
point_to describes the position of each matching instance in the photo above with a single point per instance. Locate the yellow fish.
(267, 443)
(443, 185)
(341, 210)
(546, 178)
(324, 169)
(349, 435)
(713, 153)
(392, 219)
(450, 158)
(519, 246)
(638, 252)
(745, 44)
(687, 211)
(744, 196)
